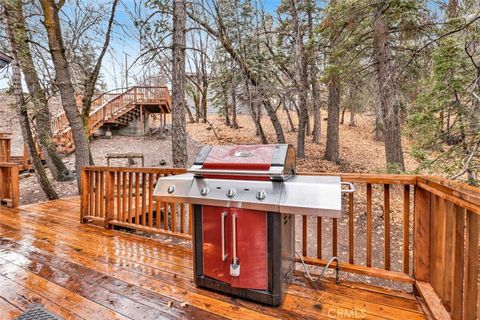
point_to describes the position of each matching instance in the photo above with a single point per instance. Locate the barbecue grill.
(244, 199)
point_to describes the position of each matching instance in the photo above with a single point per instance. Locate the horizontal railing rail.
(416, 230)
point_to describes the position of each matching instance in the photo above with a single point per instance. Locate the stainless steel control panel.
(307, 195)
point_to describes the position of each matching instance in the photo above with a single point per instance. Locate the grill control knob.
(260, 195)
(204, 191)
(171, 189)
(231, 193)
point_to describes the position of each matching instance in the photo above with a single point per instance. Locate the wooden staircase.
(114, 108)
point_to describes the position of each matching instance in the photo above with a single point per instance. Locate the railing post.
(25, 157)
(109, 198)
(85, 186)
(470, 290)
(15, 186)
(421, 235)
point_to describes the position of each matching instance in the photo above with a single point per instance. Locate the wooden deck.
(84, 272)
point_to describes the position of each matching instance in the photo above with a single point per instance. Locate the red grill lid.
(245, 157)
(262, 162)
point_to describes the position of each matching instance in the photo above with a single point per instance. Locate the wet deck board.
(84, 272)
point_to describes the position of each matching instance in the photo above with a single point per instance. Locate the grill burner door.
(230, 233)
(216, 253)
(251, 248)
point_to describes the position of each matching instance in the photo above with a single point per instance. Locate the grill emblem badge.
(244, 154)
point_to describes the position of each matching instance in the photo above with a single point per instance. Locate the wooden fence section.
(422, 231)
(123, 197)
(9, 184)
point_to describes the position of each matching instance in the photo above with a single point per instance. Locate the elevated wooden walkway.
(114, 108)
(81, 271)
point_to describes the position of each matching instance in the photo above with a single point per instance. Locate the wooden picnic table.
(130, 155)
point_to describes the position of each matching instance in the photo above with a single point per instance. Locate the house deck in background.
(66, 255)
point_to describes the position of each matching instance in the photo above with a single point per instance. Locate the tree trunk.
(277, 126)
(196, 100)
(388, 102)
(317, 114)
(302, 74)
(255, 111)
(21, 108)
(289, 118)
(342, 118)
(308, 129)
(333, 143)
(353, 123)
(42, 113)
(315, 88)
(378, 130)
(227, 116)
(179, 134)
(258, 117)
(352, 104)
(190, 115)
(64, 83)
(234, 123)
(204, 101)
(333, 137)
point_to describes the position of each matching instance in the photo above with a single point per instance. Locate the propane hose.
(329, 262)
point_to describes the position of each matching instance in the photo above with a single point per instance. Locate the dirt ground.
(154, 150)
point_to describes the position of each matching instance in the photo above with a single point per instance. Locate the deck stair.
(118, 107)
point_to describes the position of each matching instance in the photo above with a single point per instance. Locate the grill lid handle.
(276, 173)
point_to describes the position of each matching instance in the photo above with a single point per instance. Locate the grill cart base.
(277, 253)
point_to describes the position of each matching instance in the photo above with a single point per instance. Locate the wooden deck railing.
(447, 218)
(361, 238)
(9, 184)
(5, 147)
(123, 197)
(23, 160)
(415, 230)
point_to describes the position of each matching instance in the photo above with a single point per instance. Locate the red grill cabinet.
(244, 200)
(264, 244)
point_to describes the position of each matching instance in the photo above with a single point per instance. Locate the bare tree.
(37, 93)
(220, 32)
(63, 77)
(179, 134)
(90, 81)
(11, 22)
